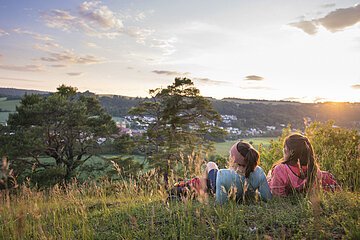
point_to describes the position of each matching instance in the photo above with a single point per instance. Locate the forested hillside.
(259, 114)
(249, 112)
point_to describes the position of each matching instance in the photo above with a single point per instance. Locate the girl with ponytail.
(298, 171)
(243, 177)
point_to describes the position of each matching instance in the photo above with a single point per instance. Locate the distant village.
(136, 125)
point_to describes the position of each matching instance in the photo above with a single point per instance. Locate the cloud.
(138, 33)
(92, 45)
(328, 5)
(94, 19)
(334, 21)
(68, 56)
(47, 47)
(208, 81)
(58, 53)
(58, 65)
(73, 74)
(171, 73)
(253, 78)
(166, 45)
(341, 18)
(34, 35)
(3, 32)
(100, 15)
(25, 68)
(19, 79)
(91, 23)
(140, 16)
(355, 86)
(60, 19)
(319, 99)
(293, 99)
(310, 27)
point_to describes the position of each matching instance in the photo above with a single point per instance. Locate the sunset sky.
(278, 50)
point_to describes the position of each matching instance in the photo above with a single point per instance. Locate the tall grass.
(137, 209)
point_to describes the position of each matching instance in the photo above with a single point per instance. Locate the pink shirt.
(284, 179)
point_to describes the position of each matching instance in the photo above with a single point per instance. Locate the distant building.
(270, 128)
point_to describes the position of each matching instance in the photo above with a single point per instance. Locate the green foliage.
(47, 177)
(185, 123)
(220, 160)
(338, 151)
(123, 167)
(64, 126)
(135, 209)
(125, 144)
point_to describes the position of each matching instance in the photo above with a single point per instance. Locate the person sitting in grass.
(241, 180)
(298, 170)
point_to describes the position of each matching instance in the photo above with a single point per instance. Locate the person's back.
(298, 170)
(245, 188)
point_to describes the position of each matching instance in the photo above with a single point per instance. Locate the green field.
(7, 107)
(224, 147)
(138, 210)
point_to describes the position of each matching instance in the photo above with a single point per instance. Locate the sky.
(307, 51)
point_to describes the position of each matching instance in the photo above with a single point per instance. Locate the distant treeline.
(14, 93)
(250, 113)
(258, 114)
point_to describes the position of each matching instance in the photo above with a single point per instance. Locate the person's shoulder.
(279, 167)
(258, 172)
(225, 171)
(258, 169)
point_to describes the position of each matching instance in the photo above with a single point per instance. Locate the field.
(224, 147)
(7, 106)
(138, 209)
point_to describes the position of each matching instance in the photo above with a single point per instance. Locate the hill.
(261, 113)
(249, 113)
(14, 93)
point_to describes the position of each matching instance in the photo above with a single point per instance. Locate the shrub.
(338, 151)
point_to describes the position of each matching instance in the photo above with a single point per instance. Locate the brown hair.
(251, 156)
(301, 150)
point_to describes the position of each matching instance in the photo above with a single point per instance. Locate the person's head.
(243, 158)
(298, 150)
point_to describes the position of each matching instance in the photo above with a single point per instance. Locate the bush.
(338, 151)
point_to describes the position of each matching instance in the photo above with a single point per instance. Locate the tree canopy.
(65, 127)
(184, 123)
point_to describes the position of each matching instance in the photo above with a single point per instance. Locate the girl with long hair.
(298, 170)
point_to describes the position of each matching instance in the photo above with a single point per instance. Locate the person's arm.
(278, 181)
(264, 188)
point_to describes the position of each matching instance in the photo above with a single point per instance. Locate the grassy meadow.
(137, 209)
(222, 148)
(7, 107)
